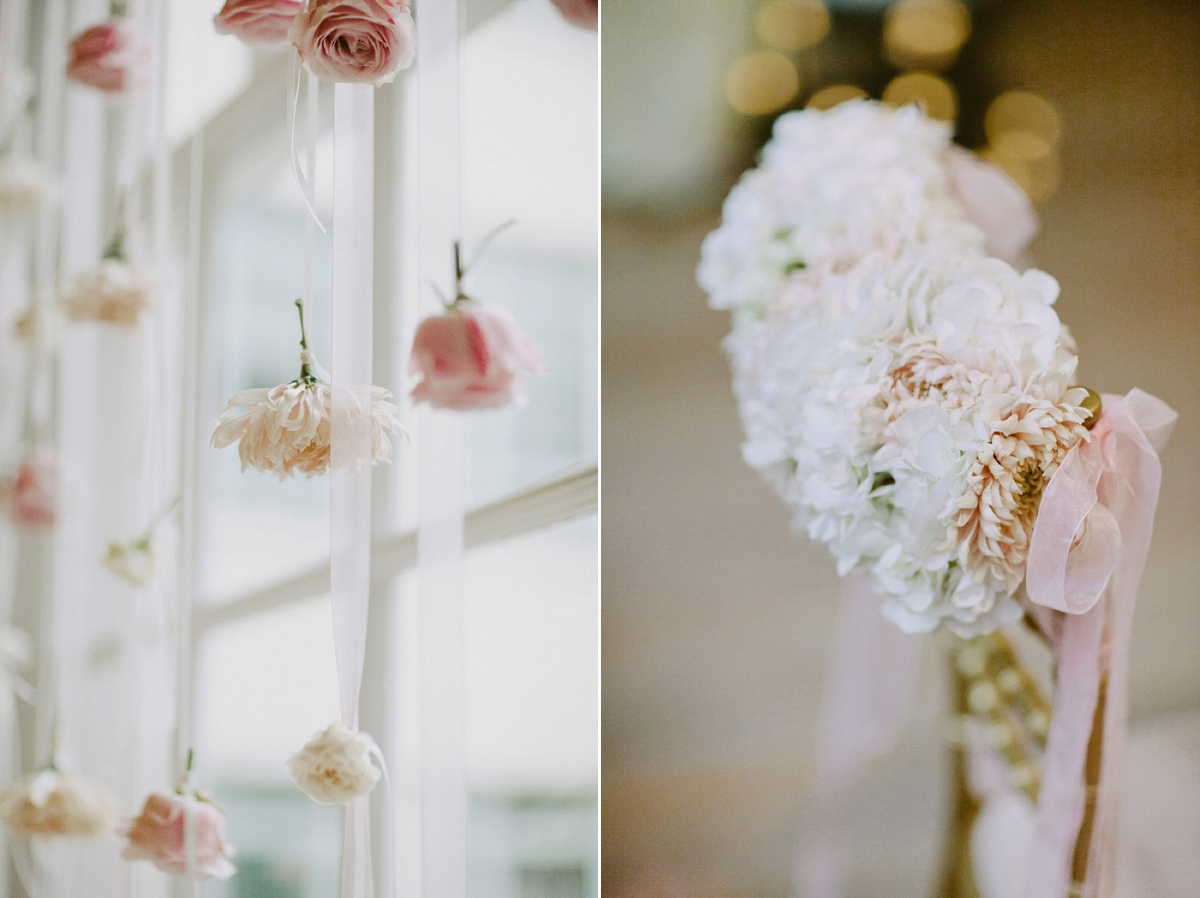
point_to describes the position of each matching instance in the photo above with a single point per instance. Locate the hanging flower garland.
(116, 291)
(113, 56)
(286, 429)
(50, 803)
(472, 356)
(159, 834)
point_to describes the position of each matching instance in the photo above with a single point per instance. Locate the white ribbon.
(440, 525)
(350, 432)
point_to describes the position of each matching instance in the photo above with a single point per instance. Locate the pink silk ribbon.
(868, 693)
(1086, 557)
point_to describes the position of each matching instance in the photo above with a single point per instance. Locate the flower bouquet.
(912, 398)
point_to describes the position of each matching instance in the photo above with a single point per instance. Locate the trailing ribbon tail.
(868, 693)
(306, 188)
(1086, 557)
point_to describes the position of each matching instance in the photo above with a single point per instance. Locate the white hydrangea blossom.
(910, 415)
(833, 189)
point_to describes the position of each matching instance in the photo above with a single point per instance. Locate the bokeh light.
(828, 97)
(761, 82)
(925, 33)
(1019, 110)
(791, 25)
(933, 94)
(1023, 132)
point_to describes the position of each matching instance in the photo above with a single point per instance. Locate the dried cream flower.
(113, 292)
(334, 767)
(49, 803)
(287, 428)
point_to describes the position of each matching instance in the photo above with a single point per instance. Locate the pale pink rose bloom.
(584, 13)
(358, 41)
(257, 21)
(994, 202)
(29, 494)
(112, 56)
(471, 358)
(157, 835)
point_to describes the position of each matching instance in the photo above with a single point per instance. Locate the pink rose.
(359, 41)
(994, 202)
(584, 13)
(470, 358)
(157, 835)
(257, 21)
(112, 56)
(29, 495)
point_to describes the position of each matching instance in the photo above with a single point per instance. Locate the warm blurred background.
(716, 618)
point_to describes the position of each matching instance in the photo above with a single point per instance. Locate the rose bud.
(471, 357)
(112, 56)
(157, 835)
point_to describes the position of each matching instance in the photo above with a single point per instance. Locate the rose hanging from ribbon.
(355, 41)
(113, 57)
(159, 835)
(471, 356)
(30, 494)
(257, 21)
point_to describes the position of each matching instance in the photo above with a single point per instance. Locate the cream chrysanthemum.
(49, 803)
(995, 516)
(287, 429)
(113, 292)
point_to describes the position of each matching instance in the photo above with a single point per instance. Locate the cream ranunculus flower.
(334, 767)
(49, 803)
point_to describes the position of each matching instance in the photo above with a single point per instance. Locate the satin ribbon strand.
(306, 188)
(869, 690)
(1109, 486)
(350, 434)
